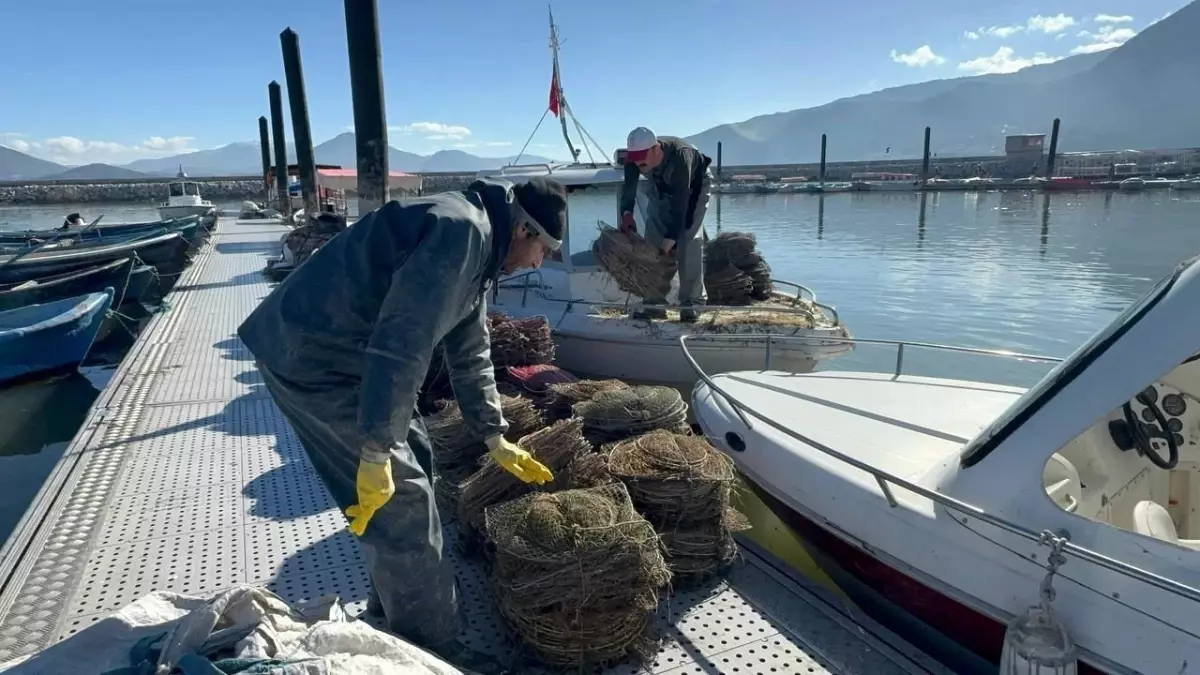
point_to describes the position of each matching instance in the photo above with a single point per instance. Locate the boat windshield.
(191, 189)
(175, 189)
(1061, 375)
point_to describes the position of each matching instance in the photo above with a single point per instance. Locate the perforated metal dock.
(186, 478)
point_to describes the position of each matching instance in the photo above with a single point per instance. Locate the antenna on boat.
(558, 100)
(558, 106)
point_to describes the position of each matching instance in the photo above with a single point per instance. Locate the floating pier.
(186, 478)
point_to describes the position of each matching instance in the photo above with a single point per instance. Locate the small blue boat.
(40, 340)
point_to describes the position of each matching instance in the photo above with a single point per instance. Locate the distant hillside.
(96, 172)
(20, 166)
(245, 158)
(1134, 96)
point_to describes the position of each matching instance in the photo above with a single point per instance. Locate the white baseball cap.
(639, 143)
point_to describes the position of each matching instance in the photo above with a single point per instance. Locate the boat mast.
(564, 110)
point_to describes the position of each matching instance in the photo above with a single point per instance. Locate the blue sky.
(118, 80)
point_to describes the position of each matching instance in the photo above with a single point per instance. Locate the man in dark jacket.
(343, 345)
(677, 190)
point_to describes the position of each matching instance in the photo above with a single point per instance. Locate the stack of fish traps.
(519, 342)
(577, 575)
(556, 446)
(638, 505)
(458, 451)
(735, 273)
(682, 485)
(617, 414)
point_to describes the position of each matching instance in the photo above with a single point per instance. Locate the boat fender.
(1036, 642)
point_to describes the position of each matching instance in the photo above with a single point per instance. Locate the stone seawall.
(215, 189)
(73, 193)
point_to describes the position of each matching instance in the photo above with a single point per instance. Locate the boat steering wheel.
(1141, 439)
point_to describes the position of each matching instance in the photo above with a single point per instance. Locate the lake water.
(1014, 270)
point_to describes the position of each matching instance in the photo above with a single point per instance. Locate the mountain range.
(1135, 96)
(243, 159)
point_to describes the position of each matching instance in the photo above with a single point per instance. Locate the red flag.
(554, 92)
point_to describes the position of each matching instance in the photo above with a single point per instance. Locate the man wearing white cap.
(678, 188)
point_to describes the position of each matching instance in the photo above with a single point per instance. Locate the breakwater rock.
(214, 189)
(72, 193)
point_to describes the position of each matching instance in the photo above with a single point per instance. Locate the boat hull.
(44, 339)
(113, 275)
(963, 638)
(662, 361)
(108, 233)
(166, 252)
(183, 211)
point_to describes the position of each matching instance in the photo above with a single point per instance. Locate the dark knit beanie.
(545, 201)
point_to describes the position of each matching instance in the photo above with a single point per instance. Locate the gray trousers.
(410, 577)
(689, 249)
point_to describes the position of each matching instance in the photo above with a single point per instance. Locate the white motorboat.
(589, 317)
(595, 335)
(936, 503)
(183, 199)
(1132, 184)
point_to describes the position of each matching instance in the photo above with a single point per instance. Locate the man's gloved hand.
(668, 246)
(627, 222)
(375, 488)
(518, 462)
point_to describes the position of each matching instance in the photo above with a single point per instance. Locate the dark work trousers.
(411, 579)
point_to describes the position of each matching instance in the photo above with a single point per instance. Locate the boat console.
(1138, 469)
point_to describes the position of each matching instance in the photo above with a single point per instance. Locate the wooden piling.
(718, 162)
(370, 114)
(277, 133)
(301, 131)
(1053, 150)
(824, 139)
(925, 157)
(264, 144)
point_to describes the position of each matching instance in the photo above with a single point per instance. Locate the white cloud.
(1105, 38)
(1002, 31)
(1111, 18)
(1005, 61)
(918, 58)
(72, 150)
(434, 131)
(971, 35)
(1050, 24)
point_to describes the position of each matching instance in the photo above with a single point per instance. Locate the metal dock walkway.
(186, 478)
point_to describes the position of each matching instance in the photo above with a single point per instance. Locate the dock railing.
(886, 480)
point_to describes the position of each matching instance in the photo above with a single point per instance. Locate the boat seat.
(1151, 519)
(1061, 480)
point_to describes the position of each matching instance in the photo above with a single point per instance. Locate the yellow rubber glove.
(518, 462)
(375, 488)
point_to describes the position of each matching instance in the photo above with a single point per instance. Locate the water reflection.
(37, 421)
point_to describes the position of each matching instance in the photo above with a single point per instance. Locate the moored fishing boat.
(165, 251)
(114, 275)
(109, 233)
(936, 503)
(38, 340)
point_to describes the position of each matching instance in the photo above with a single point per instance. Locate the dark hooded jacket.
(367, 309)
